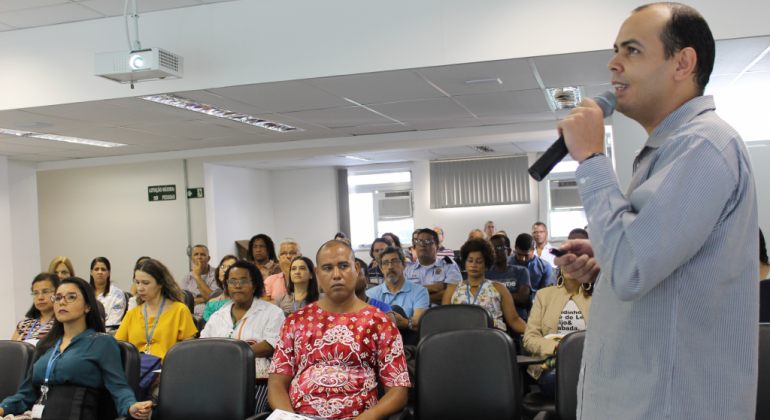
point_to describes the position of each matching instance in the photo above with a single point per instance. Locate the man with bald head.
(332, 353)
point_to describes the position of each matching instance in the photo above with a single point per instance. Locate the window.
(379, 203)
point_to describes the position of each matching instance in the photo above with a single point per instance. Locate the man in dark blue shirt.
(515, 278)
(539, 270)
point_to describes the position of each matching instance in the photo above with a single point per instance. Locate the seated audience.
(92, 363)
(215, 303)
(249, 319)
(411, 253)
(542, 246)
(377, 246)
(477, 254)
(262, 254)
(303, 288)
(476, 233)
(201, 281)
(112, 298)
(277, 284)
(331, 354)
(161, 309)
(524, 256)
(132, 302)
(361, 282)
(557, 312)
(430, 272)
(489, 230)
(408, 300)
(62, 267)
(514, 278)
(395, 241)
(501, 232)
(39, 318)
(442, 250)
(578, 234)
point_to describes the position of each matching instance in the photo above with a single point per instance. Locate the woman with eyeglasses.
(477, 255)
(215, 303)
(250, 319)
(74, 364)
(39, 318)
(303, 288)
(111, 297)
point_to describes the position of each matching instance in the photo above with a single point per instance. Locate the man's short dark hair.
(578, 231)
(525, 242)
(364, 268)
(385, 241)
(687, 28)
(431, 232)
(478, 245)
(540, 224)
(257, 282)
(391, 250)
(503, 238)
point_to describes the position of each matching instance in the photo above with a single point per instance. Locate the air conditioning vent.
(566, 184)
(168, 60)
(395, 205)
(398, 194)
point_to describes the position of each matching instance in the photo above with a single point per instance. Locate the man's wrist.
(592, 156)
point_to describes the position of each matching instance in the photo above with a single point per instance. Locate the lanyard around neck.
(33, 330)
(294, 298)
(148, 333)
(468, 292)
(51, 360)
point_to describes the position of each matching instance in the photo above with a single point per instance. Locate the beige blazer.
(544, 320)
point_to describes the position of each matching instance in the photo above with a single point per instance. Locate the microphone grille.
(607, 102)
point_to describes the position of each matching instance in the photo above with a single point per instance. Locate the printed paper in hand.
(285, 415)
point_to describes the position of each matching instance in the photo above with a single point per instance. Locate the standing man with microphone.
(674, 316)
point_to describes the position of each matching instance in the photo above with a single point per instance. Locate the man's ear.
(687, 59)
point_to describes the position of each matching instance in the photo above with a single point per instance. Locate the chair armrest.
(543, 415)
(260, 416)
(404, 414)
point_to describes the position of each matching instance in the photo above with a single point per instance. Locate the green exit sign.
(162, 192)
(195, 193)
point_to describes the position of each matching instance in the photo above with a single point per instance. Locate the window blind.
(479, 182)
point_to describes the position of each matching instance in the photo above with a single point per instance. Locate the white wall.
(105, 211)
(629, 137)
(238, 206)
(8, 287)
(760, 156)
(305, 207)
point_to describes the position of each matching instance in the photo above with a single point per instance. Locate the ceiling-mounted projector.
(138, 66)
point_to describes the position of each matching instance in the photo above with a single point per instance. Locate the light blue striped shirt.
(674, 330)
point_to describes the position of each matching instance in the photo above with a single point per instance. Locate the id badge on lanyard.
(37, 409)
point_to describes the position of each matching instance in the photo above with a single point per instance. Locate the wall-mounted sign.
(162, 192)
(195, 193)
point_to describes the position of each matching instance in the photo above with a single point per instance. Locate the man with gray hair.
(408, 300)
(277, 284)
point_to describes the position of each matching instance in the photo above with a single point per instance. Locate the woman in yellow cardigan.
(557, 312)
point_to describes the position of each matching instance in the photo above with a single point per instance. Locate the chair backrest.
(207, 379)
(763, 387)
(453, 317)
(200, 323)
(131, 363)
(128, 297)
(568, 360)
(189, 300)
(468, 374)
(216, 293)
(15, 360)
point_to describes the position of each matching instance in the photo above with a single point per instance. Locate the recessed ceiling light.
(215, 111)
(495, 81)
(482, 149)
(361, 158)
(59, 138)
(564, 97)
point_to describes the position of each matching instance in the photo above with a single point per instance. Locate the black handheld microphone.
(543, 166)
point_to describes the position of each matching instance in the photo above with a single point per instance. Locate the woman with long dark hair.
(113, 299)
(303, 287)
(74, 362)
(39, 319)
(262, 254)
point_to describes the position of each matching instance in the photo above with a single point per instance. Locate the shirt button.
(582, 180)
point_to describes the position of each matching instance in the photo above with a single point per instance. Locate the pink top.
(275, 286)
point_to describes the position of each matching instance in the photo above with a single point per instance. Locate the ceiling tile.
(10, 149)
(132, 150)
(6, 28)
(37, 158)
(9, 5)
(532, 146)
(220, 101)
(239, 141)
(414, 155)
(74, 154)
(310, 135)
(282, 96)
(340, 117)
(49, 15)
(718, 83)
(116, 7)
(48, 144)
(283, 119)
(442, 124)
(733, 55)
(514, 75)
(751, 83)
(376, 129)
(456, 152)
(588, 68)
(505, 103)
(104, 112)
(123, 135)
(13, 118)
(425, 110)
(373, 88)
(196, 130)
(183, 145)
(518, 118)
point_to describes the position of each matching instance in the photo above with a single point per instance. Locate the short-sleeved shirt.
(539, 271)
(384, 307)
(33, 329)
(410, 297)
(275, 286)
(512, 278)
(546, 255)
(336, 360)
(443, 270)
(487, 297)
(272, 267)
(189, 284)
(174, 325)
(114, 307)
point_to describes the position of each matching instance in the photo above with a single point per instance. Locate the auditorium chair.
(200, 323)
(468, 374)
(15, 360)
(207, 379)
(564, 406)
(216, 293)
(128, 297)
(129, 354)
(763, 387)
(453, 317)
(189, 300)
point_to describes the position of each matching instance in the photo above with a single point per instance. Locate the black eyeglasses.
(500, 247)
(394, 261)
(69, 297)
(424, 241)
(242, 282)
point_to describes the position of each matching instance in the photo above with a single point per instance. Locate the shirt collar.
(406, 288)
(681, 116)
(435, 262)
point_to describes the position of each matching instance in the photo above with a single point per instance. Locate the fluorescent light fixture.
(361, 158)
(495, 81)
(380, 178)
(482, 149)
(564, 97)
(215, 111)
(56, 137)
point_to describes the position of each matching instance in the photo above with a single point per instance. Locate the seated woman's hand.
(141, 410)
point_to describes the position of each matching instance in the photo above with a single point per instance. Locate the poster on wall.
(162, 192)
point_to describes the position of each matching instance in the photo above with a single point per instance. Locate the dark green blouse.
(92, 359)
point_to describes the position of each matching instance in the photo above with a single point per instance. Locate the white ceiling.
(409, 100)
